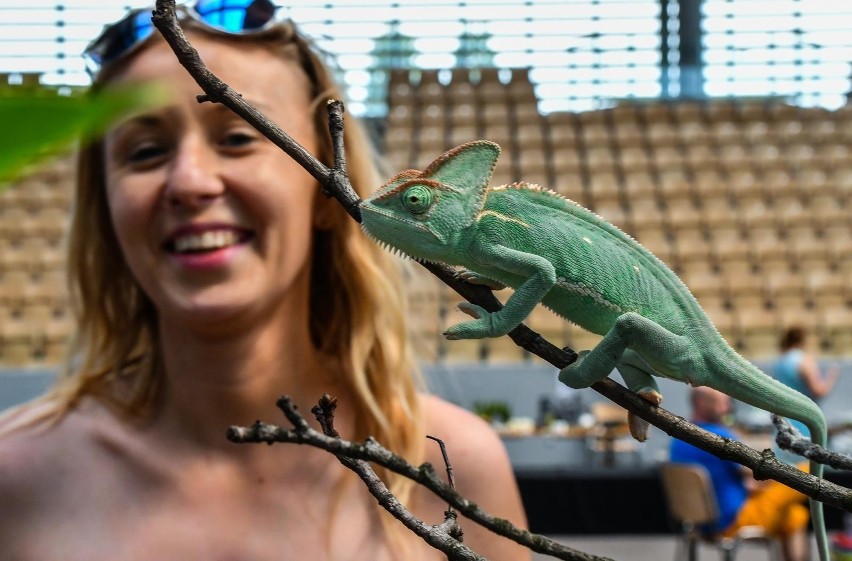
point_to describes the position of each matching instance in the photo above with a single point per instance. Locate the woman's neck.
(212, 383)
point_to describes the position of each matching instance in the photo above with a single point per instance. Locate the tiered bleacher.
(35, 322)
(747, 200)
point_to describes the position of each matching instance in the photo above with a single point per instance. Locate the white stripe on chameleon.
(584, 290)
(503, 217)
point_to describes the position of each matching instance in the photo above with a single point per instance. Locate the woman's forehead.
(251, 69)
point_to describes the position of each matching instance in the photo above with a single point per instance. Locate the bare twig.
(450, 477)
(789, 438)
(372, 451)
(450, 519)
(436, 536)
(675, 426)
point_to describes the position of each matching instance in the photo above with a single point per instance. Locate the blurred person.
(799, 370)
(742, 500)
(209, 277)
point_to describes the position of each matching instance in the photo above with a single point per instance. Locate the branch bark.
(764, 464)
(332, 180)
(789, 438)
(439, 537)
(450, 519)
(355, 456)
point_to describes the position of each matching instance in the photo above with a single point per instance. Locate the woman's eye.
(237, 139)
(145, 153)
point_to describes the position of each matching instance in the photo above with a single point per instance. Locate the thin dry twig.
(789, 438)
(355, 456)
(761, 463)
(436, 536)
(450, 520)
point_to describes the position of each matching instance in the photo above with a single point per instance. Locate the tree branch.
(450, 520)
(763, 464)
(355, 456)
(332, 180)
(436, 536)
(789, 438)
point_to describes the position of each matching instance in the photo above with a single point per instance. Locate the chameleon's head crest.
(420, 212)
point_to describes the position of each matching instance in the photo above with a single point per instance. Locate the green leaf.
(37, 124)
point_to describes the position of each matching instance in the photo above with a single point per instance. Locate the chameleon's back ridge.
(615, 277)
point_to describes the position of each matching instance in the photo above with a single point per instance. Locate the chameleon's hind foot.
(637, 425)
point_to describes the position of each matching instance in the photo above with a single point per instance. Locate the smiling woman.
(186, 175)
(210, 276)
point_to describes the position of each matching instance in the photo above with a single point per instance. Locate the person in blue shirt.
(742, 500)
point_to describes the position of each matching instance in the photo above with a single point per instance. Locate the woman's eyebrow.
(259, 105)
(140, 121)
(144, 120)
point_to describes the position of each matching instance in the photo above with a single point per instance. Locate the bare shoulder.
(26, 463)
(25, 437)
(468, 437)
(483, 474)
(38, 452)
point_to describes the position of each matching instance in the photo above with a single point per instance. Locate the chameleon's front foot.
(485, 324)
(574, 375)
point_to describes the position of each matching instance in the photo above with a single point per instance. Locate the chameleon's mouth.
(375, 225)
(374, 219)
(401, 253)
(384, 244)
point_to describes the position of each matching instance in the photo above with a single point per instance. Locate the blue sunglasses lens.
(128, 32)
(236, 16)
(230, 16)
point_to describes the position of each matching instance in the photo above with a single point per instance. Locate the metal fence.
(582, 54)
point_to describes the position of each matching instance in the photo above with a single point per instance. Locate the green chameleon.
(555, 252)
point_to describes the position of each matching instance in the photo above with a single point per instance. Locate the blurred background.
(715, 132)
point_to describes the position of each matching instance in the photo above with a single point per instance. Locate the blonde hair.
(357, 307)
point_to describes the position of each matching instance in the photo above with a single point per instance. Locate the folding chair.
(692, 503)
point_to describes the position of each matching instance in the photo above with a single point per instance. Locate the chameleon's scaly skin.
(554, 251)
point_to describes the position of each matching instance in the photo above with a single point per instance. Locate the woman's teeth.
(210, 240)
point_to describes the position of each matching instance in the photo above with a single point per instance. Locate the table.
(610, 500)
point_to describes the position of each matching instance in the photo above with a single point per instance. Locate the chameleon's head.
(422, 213)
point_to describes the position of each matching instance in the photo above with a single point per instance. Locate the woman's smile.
(207, 246)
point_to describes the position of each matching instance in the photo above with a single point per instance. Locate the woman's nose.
(194, 179)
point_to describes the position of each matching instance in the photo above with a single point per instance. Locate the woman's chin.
(213, 315)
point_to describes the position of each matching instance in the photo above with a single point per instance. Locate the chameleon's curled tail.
(818, 516)
(755, 387)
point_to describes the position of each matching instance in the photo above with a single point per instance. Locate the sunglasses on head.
(230, 17)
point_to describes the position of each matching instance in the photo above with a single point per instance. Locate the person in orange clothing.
(742, 500)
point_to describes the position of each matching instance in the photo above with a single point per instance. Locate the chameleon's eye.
(417, 199)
